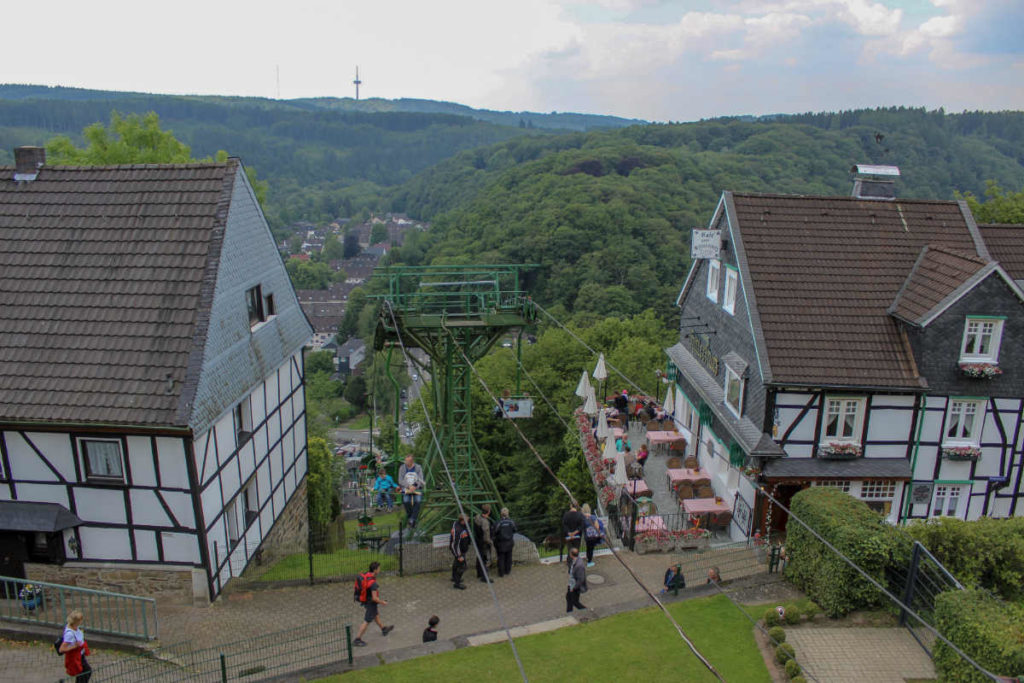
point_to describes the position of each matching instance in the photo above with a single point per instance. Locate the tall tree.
(1000, 206)
(131, 139)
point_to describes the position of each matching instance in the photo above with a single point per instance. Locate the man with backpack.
(367, 593)
(458, 543)
(505, 542)
(482, 532)
(593, 533)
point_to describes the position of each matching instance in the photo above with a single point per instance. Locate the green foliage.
(986, 553)
(771, 617)
(378, 233)
(308, 274)
(784, 653)
(798, 679)
(987, 629)
(319, 482)
(793, 615)
(131, 139)
(777, 634)
(333, 248)
(793, 669)
(999, 207)
(320, 361)
(855, 530)
(355, 391)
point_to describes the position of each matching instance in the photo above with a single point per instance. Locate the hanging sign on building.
(921, 493)
(705, 243)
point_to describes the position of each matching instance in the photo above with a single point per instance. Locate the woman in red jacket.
(74, 648)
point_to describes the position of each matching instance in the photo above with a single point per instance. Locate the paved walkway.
(854, 655)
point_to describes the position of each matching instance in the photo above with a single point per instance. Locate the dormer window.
(981, 340)
(254, 302)
(732, 281)
(733, 391)
(714, 275)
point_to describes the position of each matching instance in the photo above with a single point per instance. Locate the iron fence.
(258, 658)
(47, 605)
(918, 584)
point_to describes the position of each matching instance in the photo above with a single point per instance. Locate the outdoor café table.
(617, 432)
(650, 523)
(703, 507)
(678, 476)
(638, 488)
(663, 439)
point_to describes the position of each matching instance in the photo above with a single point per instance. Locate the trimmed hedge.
(777, 634)
(986, 552)
(793, 669)
(858, 532)
(771, 617)
(987, 629)
(784, 653)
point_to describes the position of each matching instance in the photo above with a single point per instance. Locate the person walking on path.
(410, 476)
(459, 544)
(573, 526)
(483, 533)
(74, 648)
(505, 542)
(430, 632)
(577, 581)
(593, 533)
(369, 598)
(384, 485)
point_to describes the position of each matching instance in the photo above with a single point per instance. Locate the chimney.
(27, 162)
(875, 182)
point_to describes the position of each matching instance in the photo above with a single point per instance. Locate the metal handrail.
(47, 604)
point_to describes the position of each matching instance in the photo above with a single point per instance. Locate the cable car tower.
(455, 315)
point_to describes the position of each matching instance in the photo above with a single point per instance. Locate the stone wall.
(164, 582)
(290, 533)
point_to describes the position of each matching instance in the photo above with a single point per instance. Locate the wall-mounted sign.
(705, 243)
(741, 514)
(921, 493)
(517, 407)
(700, 347)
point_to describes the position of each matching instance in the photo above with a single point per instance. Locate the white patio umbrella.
(600, 372)
(581, 388)
(670, 403)
(609, 446)
(602, 425)
(590, 406)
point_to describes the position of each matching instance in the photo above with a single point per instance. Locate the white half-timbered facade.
(151, 357)
(873, 346)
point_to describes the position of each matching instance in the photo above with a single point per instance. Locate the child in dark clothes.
(430, 632)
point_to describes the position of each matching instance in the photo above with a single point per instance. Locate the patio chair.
(702, 481)
(674, 463)
(684, 492)
(643, 418)
(720, 520)
(705, 492)
(691, 463)
(634, 471)
(678, 446)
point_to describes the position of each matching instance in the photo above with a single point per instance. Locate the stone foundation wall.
(164, 582)
(290, 533)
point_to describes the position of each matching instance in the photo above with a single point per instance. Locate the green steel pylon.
(455, 314)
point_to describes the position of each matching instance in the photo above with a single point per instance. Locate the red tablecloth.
(703, 506)
(654, 437)
(638, 488)
(678, 476)
(650, 523)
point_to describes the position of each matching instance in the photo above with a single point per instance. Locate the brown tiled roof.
(101, 271)
(936, 275)
(1006, 244)
(824, 271)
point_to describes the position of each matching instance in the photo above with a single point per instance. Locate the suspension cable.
(462, 510)
(682, 634)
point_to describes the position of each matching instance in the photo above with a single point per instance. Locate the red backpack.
(362, 587)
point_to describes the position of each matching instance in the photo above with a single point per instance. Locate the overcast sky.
(675, 60)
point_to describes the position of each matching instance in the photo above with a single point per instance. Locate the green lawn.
(640, 645)
(360, 422)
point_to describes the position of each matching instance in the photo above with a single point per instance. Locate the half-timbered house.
(871, 345)
(151, 376)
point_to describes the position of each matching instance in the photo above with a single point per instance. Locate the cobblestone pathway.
(855, 655)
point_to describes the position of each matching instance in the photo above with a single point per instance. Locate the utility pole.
(357, 83)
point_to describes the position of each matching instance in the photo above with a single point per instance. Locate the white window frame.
(241, 418)
(959, 408)
(732, 285)
(730, 375)
(858, 420)
(714, 279)
(254, 305)
(250, 501)
(233, 529)
(948, 493)
(996, 333)
(878, 489)
(841, 484)
(83, 449)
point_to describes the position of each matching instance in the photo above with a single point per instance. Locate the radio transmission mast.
(357, 83)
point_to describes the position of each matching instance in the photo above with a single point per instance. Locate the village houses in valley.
(868, 343)
(152, 418)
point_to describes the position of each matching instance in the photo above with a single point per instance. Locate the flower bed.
(840, 451)
(961, 453)
(980, 370)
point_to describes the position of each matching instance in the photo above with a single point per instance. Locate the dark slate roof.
(857, 468)
(1006, 244)
(938, 275)
(101, 275)
(17, 515)
(823, 272)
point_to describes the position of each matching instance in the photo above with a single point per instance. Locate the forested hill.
(607, 215)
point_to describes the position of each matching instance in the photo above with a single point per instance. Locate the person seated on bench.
(674, 579)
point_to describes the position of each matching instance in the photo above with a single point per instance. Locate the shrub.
(777, 634)
(798, 679)
(987, 629)
(784, 653)
(771, 617)
(793, 614)
(855, 530)
(793, 669)
(987, 553)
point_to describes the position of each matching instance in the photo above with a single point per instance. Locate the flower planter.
(839, 451)
(961, 454)
(980, 370)
(657, 542)
(31, 600)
